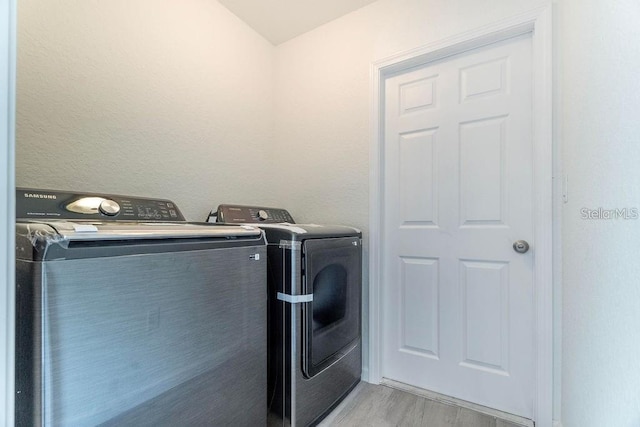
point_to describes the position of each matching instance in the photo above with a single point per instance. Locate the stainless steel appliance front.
(117, 326)
(314, 282)
(315, 352)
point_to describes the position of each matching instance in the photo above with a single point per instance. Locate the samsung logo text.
(40, 196)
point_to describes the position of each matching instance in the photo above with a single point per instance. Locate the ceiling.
(282, 20)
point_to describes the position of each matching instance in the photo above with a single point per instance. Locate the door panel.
(332, 319)
(485, 313)
(418, 164)
(457, 299)
(420, 324)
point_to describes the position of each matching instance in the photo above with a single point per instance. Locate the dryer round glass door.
(331, 322)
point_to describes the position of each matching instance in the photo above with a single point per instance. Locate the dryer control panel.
(238, 214)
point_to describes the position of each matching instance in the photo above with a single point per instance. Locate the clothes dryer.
(314, 292)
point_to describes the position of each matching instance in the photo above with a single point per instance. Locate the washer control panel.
(49, 204)
(239, 214)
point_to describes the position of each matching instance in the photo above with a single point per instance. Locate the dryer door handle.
(295, 299)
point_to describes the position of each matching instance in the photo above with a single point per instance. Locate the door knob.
(520, 246)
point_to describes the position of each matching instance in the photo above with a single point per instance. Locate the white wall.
(155, 98)
(601, 151)
(323, 89)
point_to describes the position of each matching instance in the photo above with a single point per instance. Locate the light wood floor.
(381, 406)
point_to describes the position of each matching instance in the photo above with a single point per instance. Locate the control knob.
(263, 215)
(109, 207)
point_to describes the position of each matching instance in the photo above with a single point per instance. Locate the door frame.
(538, 23)
(7, 209)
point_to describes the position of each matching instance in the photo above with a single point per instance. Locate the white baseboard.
(557, 423)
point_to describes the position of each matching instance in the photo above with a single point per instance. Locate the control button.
(263, 215)
(109, 207)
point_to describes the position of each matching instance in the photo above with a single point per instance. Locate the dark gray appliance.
(314, 282)
(127, 315)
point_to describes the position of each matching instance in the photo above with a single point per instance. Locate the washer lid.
(96, 231)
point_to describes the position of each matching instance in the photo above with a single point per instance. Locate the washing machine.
(127, 315)
(314, 317)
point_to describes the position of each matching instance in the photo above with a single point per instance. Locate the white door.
(458, 192)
